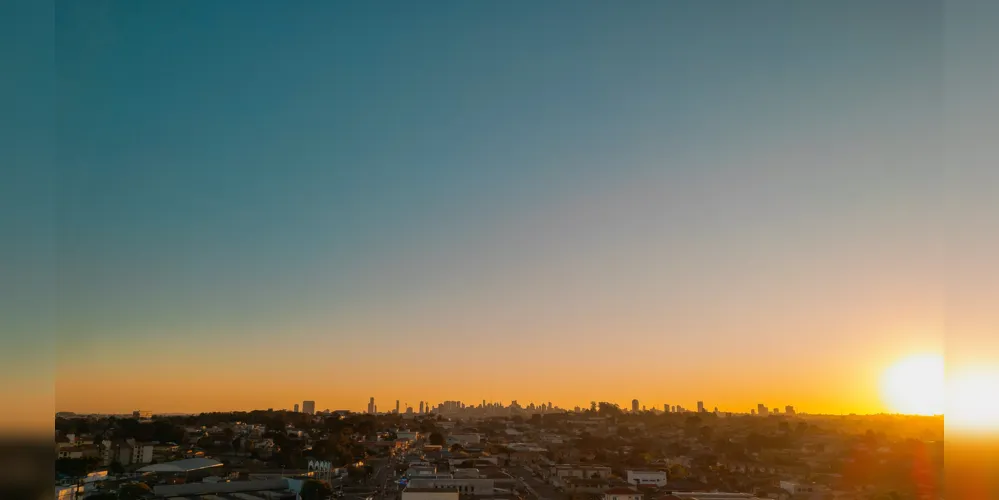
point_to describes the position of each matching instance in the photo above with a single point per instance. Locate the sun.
(915, 385)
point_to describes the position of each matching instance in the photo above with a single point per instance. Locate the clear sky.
(265, 202)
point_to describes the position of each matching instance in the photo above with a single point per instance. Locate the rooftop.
(185, 465)
(622, 491)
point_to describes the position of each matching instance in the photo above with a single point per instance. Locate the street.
(534, 485)
(380, 486)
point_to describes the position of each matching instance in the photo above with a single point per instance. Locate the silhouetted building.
(634, 405)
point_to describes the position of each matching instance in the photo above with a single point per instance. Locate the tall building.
(421, 407)
(371, 405)
(397, 407)
(634, 406)
(700, 407)
(666, 408)
(761, 409)
(309, 407)
(296, 407)
(789, 410)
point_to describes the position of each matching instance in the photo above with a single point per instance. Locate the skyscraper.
(371, 405)
(634, 406)
(309, 407)
(296, 407)
(397, 407)
(761, 409)
(700, 407)
(421, 407)
(789, 410)
(666, 408)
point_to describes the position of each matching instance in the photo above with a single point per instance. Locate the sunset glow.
(915, 385)
(973, 399)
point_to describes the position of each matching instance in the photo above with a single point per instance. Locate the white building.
(477, 487)
(647, 477)
(142, 453)
(796, 488)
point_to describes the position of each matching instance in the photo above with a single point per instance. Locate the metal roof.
(185, 465)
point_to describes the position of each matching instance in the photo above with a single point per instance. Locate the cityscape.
(452, 450)
(534, 250)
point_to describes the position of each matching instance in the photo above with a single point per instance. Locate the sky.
(667, 201)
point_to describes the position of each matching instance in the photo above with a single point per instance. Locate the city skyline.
(430, 407)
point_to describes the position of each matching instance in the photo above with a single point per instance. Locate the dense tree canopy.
(436, 438)
(316, 490)
(134, 491)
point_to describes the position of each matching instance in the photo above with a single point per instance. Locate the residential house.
(622, 494)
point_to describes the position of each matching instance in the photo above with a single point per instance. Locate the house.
(646, 477)
(464, 439)
(559, 473)
(579, 485)
(622, 494)
(408, 435)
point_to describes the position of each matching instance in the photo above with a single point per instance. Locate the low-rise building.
(578, 485)
(646, 477)
(464, 438)
(411, 493)
(464, 486)
(558, 473)
(622, 494)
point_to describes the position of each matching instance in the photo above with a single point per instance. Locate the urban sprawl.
(458, 451)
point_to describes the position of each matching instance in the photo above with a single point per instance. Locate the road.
(381, 484)
(534, 485)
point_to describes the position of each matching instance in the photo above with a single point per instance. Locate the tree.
(693, 422)
(75, 467)
(134, 491)
(609, 408)
(705, 434)
(436, 438)
(355, 473)
(316, 490)
(677, 471)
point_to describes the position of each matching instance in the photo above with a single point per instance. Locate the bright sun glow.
(915, 385)
(973, 399)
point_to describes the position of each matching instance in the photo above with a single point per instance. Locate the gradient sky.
(270, 202)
